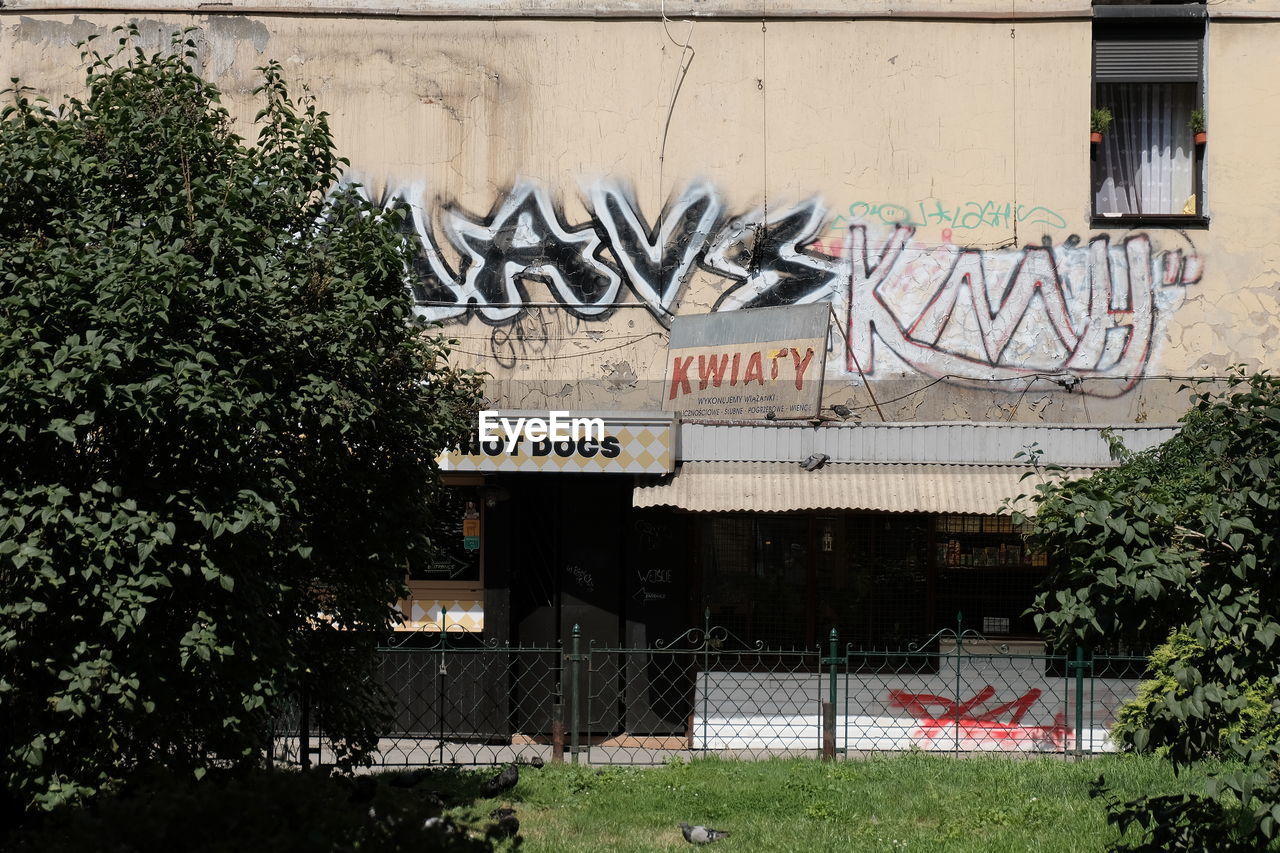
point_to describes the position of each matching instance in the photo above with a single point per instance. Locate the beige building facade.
(925, 168)
(579, 175)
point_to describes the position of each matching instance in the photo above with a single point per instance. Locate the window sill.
(1149, 220)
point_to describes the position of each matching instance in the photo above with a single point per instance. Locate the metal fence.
(462, 702)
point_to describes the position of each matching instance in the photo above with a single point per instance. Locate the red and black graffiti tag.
(944, 721)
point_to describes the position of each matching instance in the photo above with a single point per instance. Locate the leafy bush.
(1254, 722)
(1183, 822)
(275, 811)
(1184, 538)
(218, 430)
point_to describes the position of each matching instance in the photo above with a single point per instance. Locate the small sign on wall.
(471, 528)
(762, 362)
(455, 556)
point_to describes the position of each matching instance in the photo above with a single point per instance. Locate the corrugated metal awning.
(884, 487)
(954, 442)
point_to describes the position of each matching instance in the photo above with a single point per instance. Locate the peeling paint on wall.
(53, 34)
(216, 42)
(620, 375)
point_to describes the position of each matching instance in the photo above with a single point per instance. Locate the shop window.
(1148, 75)
(886, 569)
(788, 580)
(987, 574)
(457, 554)
(883, 581)
(756, 577)
(452, 577)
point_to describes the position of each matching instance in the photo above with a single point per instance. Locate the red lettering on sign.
(711, 369)
(755, 369)
(801, 364)
(680, 375)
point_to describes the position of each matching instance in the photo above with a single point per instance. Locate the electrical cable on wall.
(560, 357)
(686, 48)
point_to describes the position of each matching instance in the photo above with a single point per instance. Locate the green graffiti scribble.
(963, 216)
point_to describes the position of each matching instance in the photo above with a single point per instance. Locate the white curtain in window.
(1147, 160)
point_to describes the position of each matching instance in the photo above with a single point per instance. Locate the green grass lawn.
(914, 801)
(907, 802)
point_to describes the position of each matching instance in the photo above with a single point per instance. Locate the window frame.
(1181, 21)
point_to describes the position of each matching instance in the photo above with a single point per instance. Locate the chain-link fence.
(459, 701)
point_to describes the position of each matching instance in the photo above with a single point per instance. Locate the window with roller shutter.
(1148, 71)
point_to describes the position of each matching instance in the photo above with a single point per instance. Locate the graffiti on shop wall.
(966, 314)
(959, 216)
(969, 314)
(525, 238)
(769, 259)
(657, 261)
(968, 726)
(537, 332)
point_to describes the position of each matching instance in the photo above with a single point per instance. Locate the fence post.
(557, 709)
(575, 657)
(833, 660)
(304, 729)
(706, 670)
(959, 646)
(829, 706)
(1079, 667)
(557, 733)
(441, 684)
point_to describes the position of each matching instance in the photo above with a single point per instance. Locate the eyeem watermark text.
(556, 427)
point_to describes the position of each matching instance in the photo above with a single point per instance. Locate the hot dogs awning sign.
(746, 364)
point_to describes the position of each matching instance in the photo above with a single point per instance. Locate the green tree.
(218, 429)
(1180, 542)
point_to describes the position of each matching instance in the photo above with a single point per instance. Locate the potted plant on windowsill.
(1196, 123)
(1099, 123)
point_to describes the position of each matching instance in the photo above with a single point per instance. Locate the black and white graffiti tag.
(524, 239)
(657, 261)
(767, 257)
(970, 315)
(974, 316)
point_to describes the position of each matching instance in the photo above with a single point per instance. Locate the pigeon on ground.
(701, 834)
(500, 784)
(536, 762)
(441, 825)
(507, 826)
